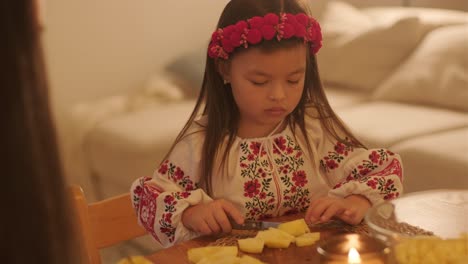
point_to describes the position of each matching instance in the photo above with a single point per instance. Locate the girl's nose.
(277, 92)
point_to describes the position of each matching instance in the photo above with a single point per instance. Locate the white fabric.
(137, 141)
(86, 117)
(267, 176)
(359, 52)
(342, 97)
(435, 161)
(384, 124)
(436, 74)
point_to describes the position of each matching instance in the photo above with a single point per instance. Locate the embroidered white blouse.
(265, 177)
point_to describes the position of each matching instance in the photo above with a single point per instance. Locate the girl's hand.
(211, 218)
(351, 209)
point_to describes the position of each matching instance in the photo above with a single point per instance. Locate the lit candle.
(353, 256)
(352, 249)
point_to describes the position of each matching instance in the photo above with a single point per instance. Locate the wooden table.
(293, 254)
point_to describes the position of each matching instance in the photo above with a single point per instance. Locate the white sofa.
(402, 83)
(397, 76)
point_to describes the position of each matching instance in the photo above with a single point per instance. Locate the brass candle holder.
(353, 249)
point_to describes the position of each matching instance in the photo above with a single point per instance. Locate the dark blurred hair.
(36, 220)
(221, 108)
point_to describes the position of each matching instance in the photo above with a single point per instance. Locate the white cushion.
(436, 74)
(435, 161)
(380, 124)
(125, 147)
(427, 16)
(342, 97)
(359, 51)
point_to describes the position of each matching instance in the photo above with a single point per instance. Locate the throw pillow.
(187, 71)
(358, 52)
(436, 74)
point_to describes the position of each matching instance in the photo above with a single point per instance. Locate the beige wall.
(95, 48)
(99, 47)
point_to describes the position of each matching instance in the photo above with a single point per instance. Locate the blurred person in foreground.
(36, 219)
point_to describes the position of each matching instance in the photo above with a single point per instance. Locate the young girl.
(262, 140)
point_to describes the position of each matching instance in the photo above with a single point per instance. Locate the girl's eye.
(258, 83)
(293, 81)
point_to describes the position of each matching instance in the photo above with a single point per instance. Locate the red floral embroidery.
(334, 158)
(391, 196)
(165, 223)
(144, 202)
(299, 178)
(258, 186)
(394, 168)
(293, 177)
(255, 147)
(376, 158)
(280, 143)
(340, 148)
(385, 185)
(163, 168)
(331, 164)
(251, 188)
(138, 191)
(177, 175)
(261, 184)
(372, 184)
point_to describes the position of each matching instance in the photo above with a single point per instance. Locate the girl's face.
(266, 87)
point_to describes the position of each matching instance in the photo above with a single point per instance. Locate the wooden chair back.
(104, 223)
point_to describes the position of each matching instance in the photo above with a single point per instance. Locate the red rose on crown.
(256, 22)
(241, 26)
(224, 41)
(288, 31)
(254, 36)
(302, 19)
(268, 32)
(271, 19)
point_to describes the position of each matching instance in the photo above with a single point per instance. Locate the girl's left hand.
(351, 209)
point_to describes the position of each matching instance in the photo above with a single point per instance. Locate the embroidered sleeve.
(375, 173)
(159, 201)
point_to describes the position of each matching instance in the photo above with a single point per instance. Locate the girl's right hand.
(211, 218)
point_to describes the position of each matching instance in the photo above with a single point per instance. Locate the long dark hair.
(36, 223)
(219, 104)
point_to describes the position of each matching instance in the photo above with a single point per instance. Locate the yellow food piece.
(135, 260)
(275, 238)
(246, 259)
(430, 250)
(219, 259)
(307, 239)
(296, 228)
(251, 245)
(196, 254)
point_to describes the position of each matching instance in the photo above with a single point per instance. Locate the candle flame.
(353, 256)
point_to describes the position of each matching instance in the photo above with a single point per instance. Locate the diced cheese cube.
(275, 238)
(296, 228)
(251, 245)
(246, 259)
(196, 254)
(307, 239)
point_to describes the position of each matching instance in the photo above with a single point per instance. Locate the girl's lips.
(275, 111)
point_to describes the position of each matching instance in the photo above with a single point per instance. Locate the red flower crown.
(225, 40)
